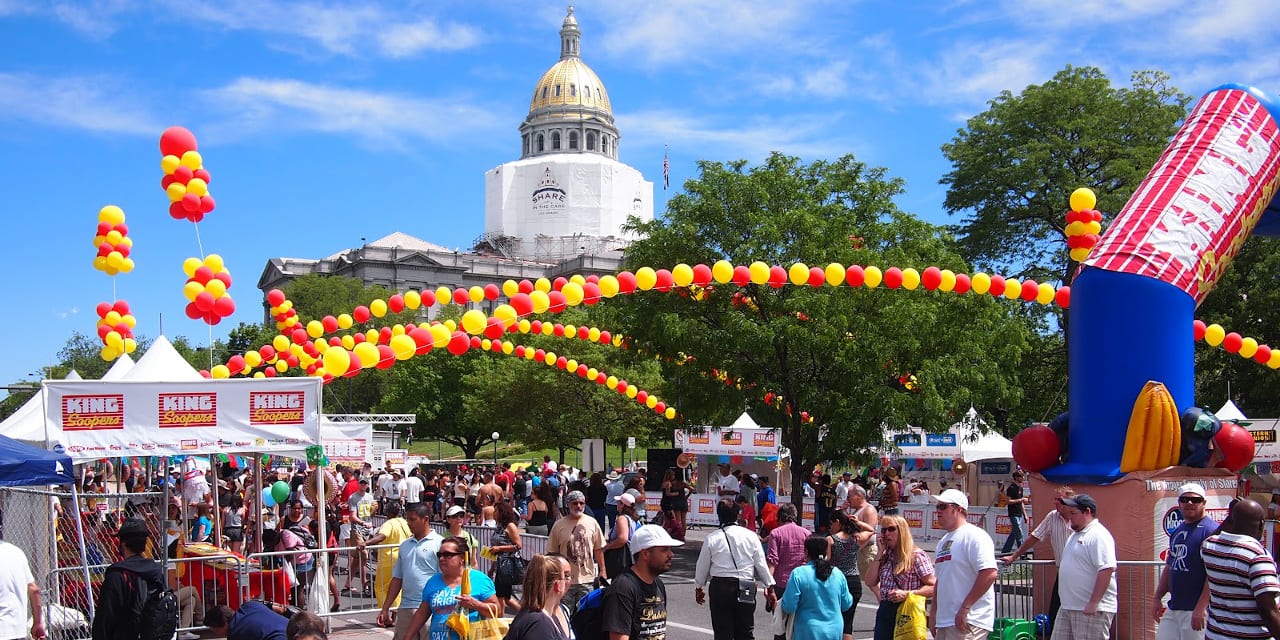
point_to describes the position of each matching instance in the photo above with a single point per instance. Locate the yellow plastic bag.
(489, 629)
(912, 622)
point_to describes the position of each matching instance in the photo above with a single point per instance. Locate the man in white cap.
(635, 605)
(1086, 575)
(579, 539)
(964, 607)
(1183, 576)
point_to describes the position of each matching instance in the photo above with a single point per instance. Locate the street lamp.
(494, 435)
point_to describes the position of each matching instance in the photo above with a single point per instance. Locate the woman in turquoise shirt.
(816, 595)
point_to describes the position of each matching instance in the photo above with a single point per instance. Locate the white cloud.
(283, 105)
(68, 313)
(404, 40)
(93, 103)
(754, 138)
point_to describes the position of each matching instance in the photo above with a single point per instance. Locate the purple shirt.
(1186, 565)
(786, 551)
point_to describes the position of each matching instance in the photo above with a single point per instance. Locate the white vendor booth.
(931, 457)
(744, 445)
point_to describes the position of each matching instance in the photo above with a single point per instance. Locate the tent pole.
(84, 552)
(217, 504)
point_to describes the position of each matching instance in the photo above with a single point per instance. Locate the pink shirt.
(786, 551)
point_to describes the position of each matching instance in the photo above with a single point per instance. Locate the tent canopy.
(968, 440)
(24, 465)
(27, 423)
(742, 438)
(1229, 411)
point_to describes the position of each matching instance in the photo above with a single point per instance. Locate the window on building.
(557, 91)
(544, 93)
(555, 141)
(573, 90)
(598, 94)
(541, 143)
(591, 141)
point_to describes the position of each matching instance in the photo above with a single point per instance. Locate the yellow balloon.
(175, 191)
(258, 375)
(1274, 362)
(193, 161)
(631, 391)
(571, 365)
(169, 163)
(336, 361)
(130, 345)
(345, 321)
(608, 286)
(611, 382)
(670, 413)
(910, 279)
(111, 214)
(548, 329)
(1012, 289)
(722, 271)
(115, 259)
(349, 342)
(682, 274)
(366, 353)
(220, 372)
(1093, 227)
(573, 294)
(198, 187)
(872, 276)
(549, 358)
(378, 308)
(759, 272)
(253, 359)
(450, 325)
(403, 347)
(540, 301)
(315, 329)
(216, 287)
(282, 366)
(371, 335)
(577, 279)
(473, 322)
(280, 343)
(980, 283)
(412, 300)
(113, 237)
(100, 263)
(1074, 229)
(506, 314)
(1046, 293)
(510, 288)
(1080, 254)
(126, 241)
(508, 347)
(112, 318)
(798, 273)
(570, 331)
(542, 284)
(1248, 347)
(646, 277)
(1213, 334)
(319, 345)
(475, 294)
(486, 344)
(593, 334)
(443, 296)
(126, 265)
(192, 289)
(948, 282)
(114, 340)
(835, 273)
(214, 262)
(592, 372)
(439, 336)
(530, 354)
(524, 325)
(1082, 199)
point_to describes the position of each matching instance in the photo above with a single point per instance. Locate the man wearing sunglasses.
(415, 565)
(1183, 576)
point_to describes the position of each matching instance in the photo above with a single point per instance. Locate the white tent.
(967, 440)
(742, 438)
(1230, 411)
(27, 423)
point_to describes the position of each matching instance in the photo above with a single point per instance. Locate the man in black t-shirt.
(1017, 515)
(826, 503)
(635, 605)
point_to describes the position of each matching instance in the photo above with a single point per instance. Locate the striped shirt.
(1239, 569)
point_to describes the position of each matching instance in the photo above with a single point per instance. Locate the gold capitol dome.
(570, 82)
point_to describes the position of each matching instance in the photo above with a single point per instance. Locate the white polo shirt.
(1087, 552)
(13, 591)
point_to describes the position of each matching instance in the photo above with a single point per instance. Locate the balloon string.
(199, 242)
(210, 341)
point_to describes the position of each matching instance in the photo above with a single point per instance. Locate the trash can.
(1013, 629)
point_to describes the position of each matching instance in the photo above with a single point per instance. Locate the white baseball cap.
(650, 536)
(1191, 488)
(956, 497)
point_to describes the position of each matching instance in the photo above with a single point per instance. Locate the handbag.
(911, 622)
(488, 629)
(746, 588)
(511, 568)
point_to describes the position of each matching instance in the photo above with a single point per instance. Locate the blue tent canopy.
(24, 465)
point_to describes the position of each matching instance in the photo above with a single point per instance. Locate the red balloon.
(236, 363)
(701, 275)
(1030, 289)
(854, 276)
(299, 336)
(931, 277)
(539, 355)
(123, 249)
(459, 343)
(420, 336)
(494, 329)
(204, 301)
(582, 370)
(606, 338)
(590, 293)
(292, 360)
(353, 368)
(997, 286)
(176, 211)
(190, 203)
(384, 335)
(1197, 329)
(195, 216)
(962, 283)
(1236, 445)
(491, 291)
(622, 386)
(275, 297)
(224, 306)
(387, 357)
(626, 282)
(559, 283)
(461, 297)
(335, 341)
(642, 396)
(601, 377)
(267, 352)
(1036, 448)
(183, 174)
(557, 330)
(212, 318)
(329, 323)
(176, 141)
(203, 174)
(428, 297)
(224, 276)
(164, 183)
(207, 204)
(361, 314)
(777, 277)
(103, 330)
(584, 333)
(522, 303)
(741, 275)
(476, 342)
(562, 362)
(525, 286)
(359, 337)
(1262, 355)
(817, 277)
(893, 277)
(1232, 342)
(1063, 297)
(665, 280)
(660, 408)
(395, 303)
(103, 309)
(269, 372)
(519, 351)
(202, 274)
(558, 303)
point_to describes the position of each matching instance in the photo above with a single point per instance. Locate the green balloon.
(280, 491)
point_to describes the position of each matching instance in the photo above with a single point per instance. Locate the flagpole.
(666, 174)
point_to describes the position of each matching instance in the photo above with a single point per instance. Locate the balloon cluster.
(115, 329)
(112, 242)
(1084, 224)
(206, 289)
(185, 180)
(1214, 335)
(282, 310)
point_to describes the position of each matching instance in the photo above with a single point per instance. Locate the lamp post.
(495, 449)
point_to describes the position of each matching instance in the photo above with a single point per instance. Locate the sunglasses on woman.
(888, 529)
(449, 554)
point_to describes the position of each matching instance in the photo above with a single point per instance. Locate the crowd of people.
(604, 560)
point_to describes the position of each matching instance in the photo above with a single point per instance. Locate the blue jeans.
(1016, 525)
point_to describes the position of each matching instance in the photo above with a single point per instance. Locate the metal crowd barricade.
(1023, 590)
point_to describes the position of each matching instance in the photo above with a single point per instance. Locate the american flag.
(666, 170)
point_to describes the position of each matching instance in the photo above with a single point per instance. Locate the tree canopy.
(839, 356)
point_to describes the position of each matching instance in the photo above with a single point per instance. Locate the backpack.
(304, 534)
(587, 620)
(157, 613)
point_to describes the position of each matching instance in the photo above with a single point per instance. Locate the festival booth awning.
(22, 465)
(965, 441)
(742, 438)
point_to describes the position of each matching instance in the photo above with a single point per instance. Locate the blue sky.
(325, 122)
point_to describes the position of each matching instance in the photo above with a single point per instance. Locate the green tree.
(837, 355)
(433, 388)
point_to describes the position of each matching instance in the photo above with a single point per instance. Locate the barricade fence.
(1024, 588)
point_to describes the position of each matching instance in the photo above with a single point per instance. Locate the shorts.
(234, 534)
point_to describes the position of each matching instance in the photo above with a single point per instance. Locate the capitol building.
(557, 210)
